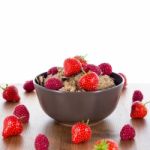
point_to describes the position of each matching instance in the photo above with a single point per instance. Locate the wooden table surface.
(60, 137)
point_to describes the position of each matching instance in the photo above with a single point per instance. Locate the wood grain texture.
(60, 137)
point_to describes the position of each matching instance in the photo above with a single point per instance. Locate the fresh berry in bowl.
(74, 94)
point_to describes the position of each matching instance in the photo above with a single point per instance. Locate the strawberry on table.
(11, 127)
(72, 66)
(89, 81)
(81, 132)
(106, 144)
(10, 93)
(138, 110)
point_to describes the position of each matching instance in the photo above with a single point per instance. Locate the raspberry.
(93, 68)
(105, 68)
(137, 96)
(41, 142)
(54, 84)
(28, 86)
(22, 113)
(127, 132)
(52, 71)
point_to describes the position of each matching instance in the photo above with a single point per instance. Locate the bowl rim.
(79, 92)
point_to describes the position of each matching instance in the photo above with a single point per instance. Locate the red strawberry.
(105, 68)
(22, 113)
(89, 81)
(28, 86)
(81, 59)
(11, 126)
(138, 110)
(41, 142)
(124, 80)
(71, 66)
(106, 144)
(81, 132)
(10, 93)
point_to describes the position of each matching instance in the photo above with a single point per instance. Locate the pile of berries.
(138, 111)
(81, 132)
(13, 124)
(89, 81)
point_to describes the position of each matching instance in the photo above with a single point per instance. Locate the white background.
(35, 35)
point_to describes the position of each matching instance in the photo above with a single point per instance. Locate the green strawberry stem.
(146, 102)
(83, 71)
(84, 56)
(101, 146)
(87, 122)
(21, 118)
(3, 87)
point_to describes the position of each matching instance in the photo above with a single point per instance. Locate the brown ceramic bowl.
(69, 107)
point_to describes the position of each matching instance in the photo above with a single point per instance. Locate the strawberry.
(11, 126)
(10, 93)
(89, 81)
(22, 113)
(81, 132)
(81, 59)
(71, 66)
(138, 110)
(28, 86)
(106, 144)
